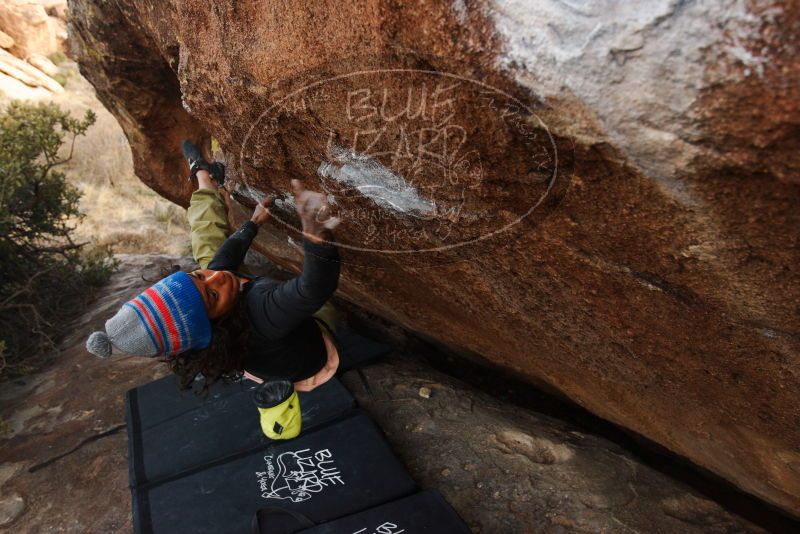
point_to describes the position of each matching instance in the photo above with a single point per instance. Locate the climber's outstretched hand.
(261, 212)
(314, 212)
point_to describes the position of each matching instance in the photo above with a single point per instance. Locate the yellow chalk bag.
(279, 409)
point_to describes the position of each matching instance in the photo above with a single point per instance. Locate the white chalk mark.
(246, 190)
(460, 9)
(287, 202)
(376, 182)
(250, 192)
(639, 66)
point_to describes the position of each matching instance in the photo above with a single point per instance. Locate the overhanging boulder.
(602, 198)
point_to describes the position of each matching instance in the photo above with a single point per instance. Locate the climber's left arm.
(231, 253)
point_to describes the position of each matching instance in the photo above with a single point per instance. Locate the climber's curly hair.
(223, 359)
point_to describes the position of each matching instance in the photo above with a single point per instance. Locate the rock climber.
(223, 324)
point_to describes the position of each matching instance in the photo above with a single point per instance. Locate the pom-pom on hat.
(165, 319)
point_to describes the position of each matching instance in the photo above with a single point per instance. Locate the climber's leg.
(208, 214)
(205, 181)
(208, 219)
(328, 314)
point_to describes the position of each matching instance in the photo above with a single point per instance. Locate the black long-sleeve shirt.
(285, 341)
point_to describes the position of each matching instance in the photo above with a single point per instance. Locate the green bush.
(45, 276)
(62, 79)
(57, 57)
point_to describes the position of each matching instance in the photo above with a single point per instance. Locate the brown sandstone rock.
(14, 89)
(59, 26)
(56, 8)
(6, 41)
(601, 197)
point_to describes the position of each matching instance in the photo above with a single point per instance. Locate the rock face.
(30, 30)
(27, 73)
(6, 41)
(600, 197)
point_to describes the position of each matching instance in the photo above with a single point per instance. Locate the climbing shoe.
(279, 409)
(217, 172)
(197, 162)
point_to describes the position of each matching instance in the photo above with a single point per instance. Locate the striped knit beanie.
(165, 319)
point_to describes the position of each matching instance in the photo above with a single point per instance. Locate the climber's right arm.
(275, 309)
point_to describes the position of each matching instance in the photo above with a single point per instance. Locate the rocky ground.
(505, 470)
(509, 470)
(53, 412)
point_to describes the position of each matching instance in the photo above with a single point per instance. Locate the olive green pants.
(208, 224)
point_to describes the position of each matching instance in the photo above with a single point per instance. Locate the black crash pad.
(195, 432)
(161, 400)
(335, 470)
(426, 511)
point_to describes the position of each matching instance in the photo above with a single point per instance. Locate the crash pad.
(334, 470)
(426, 511)
(205, 430)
